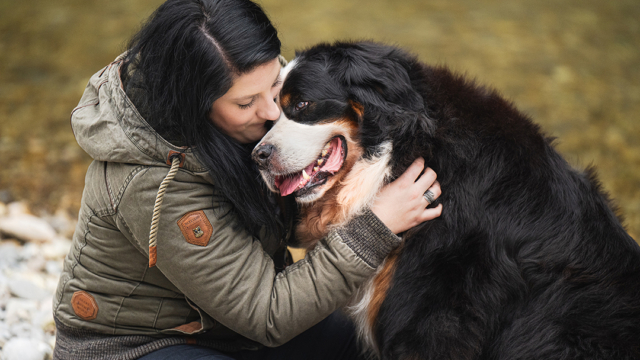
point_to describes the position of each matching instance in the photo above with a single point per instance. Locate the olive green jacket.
(211, 277)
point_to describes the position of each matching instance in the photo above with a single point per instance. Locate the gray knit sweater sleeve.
(369, 238)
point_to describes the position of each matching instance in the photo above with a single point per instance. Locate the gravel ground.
(32, 250)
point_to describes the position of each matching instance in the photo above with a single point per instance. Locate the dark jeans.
(332, 338)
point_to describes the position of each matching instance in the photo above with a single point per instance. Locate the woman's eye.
(246, 106)
(301, 105)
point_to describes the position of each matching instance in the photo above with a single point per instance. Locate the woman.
(196, 89)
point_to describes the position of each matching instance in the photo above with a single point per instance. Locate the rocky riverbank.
(32, 249)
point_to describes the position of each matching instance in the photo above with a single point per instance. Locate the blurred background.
(572, 65)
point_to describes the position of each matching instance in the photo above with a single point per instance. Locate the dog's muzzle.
(261, 155)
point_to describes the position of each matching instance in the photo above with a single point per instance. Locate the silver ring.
(429, 196)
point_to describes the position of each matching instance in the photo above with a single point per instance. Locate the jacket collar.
(110, 128)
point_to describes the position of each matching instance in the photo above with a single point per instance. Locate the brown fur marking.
(381, 285)
(316, 218)
(357, 108)
(284, 100)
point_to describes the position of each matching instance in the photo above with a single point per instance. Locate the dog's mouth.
(328, 163)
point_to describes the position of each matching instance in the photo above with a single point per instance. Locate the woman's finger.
(427, 179)
(413, 171)
(430, 214)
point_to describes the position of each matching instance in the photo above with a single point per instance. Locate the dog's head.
(339, 104)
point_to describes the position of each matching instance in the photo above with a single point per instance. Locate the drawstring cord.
(153, 233)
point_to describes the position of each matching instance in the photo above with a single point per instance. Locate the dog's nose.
(261, 154)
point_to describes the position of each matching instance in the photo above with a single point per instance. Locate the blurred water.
(573, 65)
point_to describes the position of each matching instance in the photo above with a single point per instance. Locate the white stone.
(19, 311)
(56, 249)
(26, 330)
(52, 341)
(5, 295)
(62, 223)
(36, 263)
(17, 208)
(43, 317)
(53, 267)
(50, 283)
(45, 321)
(26, 349)
(9, 254)
(37, 278)
(26, 289)
(30, 250)
(5, 334)
(27, 227)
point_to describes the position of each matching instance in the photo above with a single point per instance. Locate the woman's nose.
(270, 111)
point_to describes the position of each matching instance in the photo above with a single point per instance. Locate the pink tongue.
(289, 184)
(335, 159)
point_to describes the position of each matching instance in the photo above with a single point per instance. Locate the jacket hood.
(108, 126)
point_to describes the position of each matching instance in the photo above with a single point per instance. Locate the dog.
(528, 259)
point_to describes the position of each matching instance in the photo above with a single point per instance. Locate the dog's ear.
(374, 72)
(378, 78)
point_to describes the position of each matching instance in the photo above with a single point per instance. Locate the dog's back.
(528, 261)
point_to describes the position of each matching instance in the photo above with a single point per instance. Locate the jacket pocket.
(198, 322)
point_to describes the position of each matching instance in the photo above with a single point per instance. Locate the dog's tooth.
(305, 175)
(319, 162)
(324, 152)
(327, 145)
(315, 169)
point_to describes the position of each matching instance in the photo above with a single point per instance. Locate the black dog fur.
(527, 261)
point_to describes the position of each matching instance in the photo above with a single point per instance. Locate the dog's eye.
(301, 105)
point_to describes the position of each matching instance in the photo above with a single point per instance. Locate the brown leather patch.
(84, 305)
(191, 341)
(171, 153)
(189, 328)
(196, 228)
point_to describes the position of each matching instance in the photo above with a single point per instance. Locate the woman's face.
(242, 112)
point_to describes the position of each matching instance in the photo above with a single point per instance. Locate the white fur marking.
(298, 145)
(359, 312)
(361, 187)
(364, 181)
(285, 70)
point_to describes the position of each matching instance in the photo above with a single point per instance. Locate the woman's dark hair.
(182, 60)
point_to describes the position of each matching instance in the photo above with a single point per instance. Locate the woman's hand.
(401, 205)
